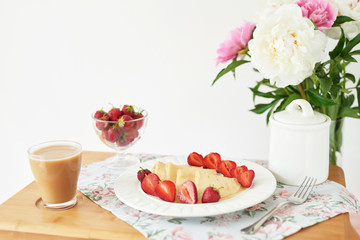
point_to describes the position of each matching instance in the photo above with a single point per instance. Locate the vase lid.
(299, 112)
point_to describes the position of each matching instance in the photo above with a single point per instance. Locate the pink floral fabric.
(326, 201)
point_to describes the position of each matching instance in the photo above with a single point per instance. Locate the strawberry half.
(195, 159)
(166, 190)
(187, 192)
(238, 170)
(212, 160)
(149, 183)
(210, 195)
(246, 178)
(225, 167)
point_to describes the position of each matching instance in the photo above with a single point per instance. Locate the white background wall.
(61, 60)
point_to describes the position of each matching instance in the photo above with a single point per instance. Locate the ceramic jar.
(299, 144)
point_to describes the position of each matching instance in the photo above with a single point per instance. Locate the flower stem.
(302, 93)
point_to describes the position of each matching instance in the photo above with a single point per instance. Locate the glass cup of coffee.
(56, 167)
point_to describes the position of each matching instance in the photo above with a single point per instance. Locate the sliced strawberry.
(141, 174)
(211, 160)
(238, 170)
(149, 183)
(187, 192)
(114, 114)
(225, 167)
(246, 178)
(166, 190)
(195, 159)
(210, 195)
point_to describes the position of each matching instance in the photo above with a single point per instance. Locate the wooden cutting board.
(23, 217)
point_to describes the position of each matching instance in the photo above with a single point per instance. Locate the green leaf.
(325, 84)
(230, 68)
(291, 98)
(319, 100)
(262, 94)
(315, 79)
(349, 58)
(262, 107)
(339, 46)
(334, 91)
(344, 90)
(348, 101)
(349, 112)
(342, 19)
(356, 52)
(350, 45)
(270, 112)
(350, 77)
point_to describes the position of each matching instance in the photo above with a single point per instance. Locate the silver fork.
(298, 197)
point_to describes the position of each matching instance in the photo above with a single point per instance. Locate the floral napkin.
(326, 201)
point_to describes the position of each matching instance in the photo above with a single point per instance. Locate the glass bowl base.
(121, 161)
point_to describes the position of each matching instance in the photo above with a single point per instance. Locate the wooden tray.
(23, 217)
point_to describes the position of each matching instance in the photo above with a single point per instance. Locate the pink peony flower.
(237, 42)
(321, 12)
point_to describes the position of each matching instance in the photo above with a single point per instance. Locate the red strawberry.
(113, 134)
(195, 159)
(141, 174)
(139, 120)
(114, 114)
(211, 160)
(125, 122)
(225, 167)
(128, 110)
(246, 178)
(101, 115)
(187, 192)
(238, 170)
(128, 137)
(210, 195)
(166, 190)
(149, 183)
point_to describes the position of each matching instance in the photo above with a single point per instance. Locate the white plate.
(128, 190)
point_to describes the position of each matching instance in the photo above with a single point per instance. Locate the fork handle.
(255, 226)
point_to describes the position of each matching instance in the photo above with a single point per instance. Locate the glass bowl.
(120, 128)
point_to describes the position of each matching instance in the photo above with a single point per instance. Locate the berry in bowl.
(120, 128)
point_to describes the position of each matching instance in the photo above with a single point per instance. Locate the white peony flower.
(285, 46)
(349, 8)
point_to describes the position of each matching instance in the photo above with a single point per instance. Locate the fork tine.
(301, 187)
(309, 188)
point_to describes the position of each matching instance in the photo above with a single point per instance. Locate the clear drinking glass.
(120, 137)
(56, 167)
